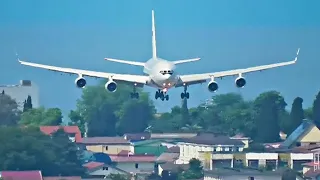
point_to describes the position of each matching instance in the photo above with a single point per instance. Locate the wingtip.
(298, 51)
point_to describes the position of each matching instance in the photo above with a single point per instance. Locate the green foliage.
(268, 107)
(296, 115)
(195, 170)
(30, 149)
(119, 177)
(27, 105)
(316, 110)
(109, 114)
(41, 117)
(289, 174)
(9, 112)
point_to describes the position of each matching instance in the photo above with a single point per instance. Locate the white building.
(20, 92)
(192, 147)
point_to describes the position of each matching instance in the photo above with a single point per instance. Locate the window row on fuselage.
(166, 72)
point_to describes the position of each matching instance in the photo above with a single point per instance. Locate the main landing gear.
(185, 94)
(162, 95)
(134, 94)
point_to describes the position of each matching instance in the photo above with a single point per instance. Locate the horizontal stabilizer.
(126, 62)
(186, 60)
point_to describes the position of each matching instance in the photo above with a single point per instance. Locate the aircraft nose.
(167, 76)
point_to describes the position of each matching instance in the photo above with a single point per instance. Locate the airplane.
(159, 73)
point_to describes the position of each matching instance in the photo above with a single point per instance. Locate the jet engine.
(213, 86)
(80, 82)
(111, 86)
(240, 82)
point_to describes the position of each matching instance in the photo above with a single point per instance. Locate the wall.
(189, 151)
(112, 149)
(242, 177)
(104, 172)
(130, 167)
(312, 136)
(20, 93)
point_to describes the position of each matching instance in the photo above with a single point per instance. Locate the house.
(21, 175)
(137, 164)
(108, 145)
(73, 131)
(170, 168)
(171, 155)
(245, 173)
(101, 170)
(304, 135)
(151, 147)
(137, 136)
(62, 178)
(206, 142)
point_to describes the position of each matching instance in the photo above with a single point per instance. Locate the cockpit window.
(166, 72)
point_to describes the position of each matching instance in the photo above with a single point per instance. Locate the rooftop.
(21, 175)
(67, 129)
(300, 131)
(212, 139)
(105, 140)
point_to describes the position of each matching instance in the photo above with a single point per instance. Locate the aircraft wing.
(201, 78)
(140, 80)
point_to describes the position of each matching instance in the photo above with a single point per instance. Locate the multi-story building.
(20, 92)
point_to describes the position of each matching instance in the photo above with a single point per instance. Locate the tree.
(29, 149)
(77, 120)
(106, 112)
(268, 107)
(316, 110)
(27, 104)
(2, 92)
(308, 113)
(296, 115)
(195, 170)
(288, 174)
(185, 111)
(41, 117)
(119, 176)
(9, 112)
(138, 111)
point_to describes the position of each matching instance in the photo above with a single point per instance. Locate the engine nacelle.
(240, 82)
(213, 86)
(80, 82)
(111, 86)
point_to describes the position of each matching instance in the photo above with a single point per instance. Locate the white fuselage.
(162, 73)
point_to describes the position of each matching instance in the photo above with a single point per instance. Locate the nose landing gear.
(162, 95)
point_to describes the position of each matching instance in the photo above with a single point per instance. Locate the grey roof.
(301, 130)
(173, 149)
(105, 140)
(174, 167)
(168, 157)
(212, 139)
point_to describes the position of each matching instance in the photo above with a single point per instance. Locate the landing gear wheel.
(157, 95)
(185, 95)
(167, 97)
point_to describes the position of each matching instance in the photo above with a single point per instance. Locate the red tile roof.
(93, 165)
(62, 177)
(133, 158)
(67, 129)
(21, 175)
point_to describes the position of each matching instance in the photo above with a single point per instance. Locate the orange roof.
(93, 165)
(67, 129)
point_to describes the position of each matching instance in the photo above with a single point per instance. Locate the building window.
(105, 168)
(137, 165)
(214, 149)
(107, 148)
